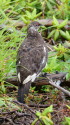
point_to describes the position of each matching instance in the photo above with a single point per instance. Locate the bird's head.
(33, 28)
(35, 25)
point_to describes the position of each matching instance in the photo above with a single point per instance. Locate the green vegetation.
(59, 60)
(12, 35)
(57, 30)
(44, 116)
(66, 121)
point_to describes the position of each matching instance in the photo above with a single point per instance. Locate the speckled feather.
(31, 57)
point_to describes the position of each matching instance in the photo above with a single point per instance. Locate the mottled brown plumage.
(31, 59)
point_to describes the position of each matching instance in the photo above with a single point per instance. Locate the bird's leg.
(23, 90)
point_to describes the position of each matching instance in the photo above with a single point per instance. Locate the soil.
(36, 101)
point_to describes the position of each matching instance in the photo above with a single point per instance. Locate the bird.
(31, 59)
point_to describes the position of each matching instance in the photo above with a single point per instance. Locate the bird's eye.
(36, 24)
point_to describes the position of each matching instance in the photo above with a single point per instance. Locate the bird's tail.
(23, 91)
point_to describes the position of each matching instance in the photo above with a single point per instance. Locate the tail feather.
(22, 92)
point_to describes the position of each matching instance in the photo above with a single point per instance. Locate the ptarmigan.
(31, 59)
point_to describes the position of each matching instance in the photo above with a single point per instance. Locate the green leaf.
(55, 21)
(67, 121)
(47, 110)
(24, 20)
(63, 34)
(4, 15)
(37, 15)
(2, 102)
(68, 106)
(47, 121)
(33, 123)
(38, 113)
(51, 33)
(3, 88)
(63, 24)
(49, 5)
(52, 2)
(32, 3)
(56, 35)
(34, 12)
(28, 14)
(67, 35)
